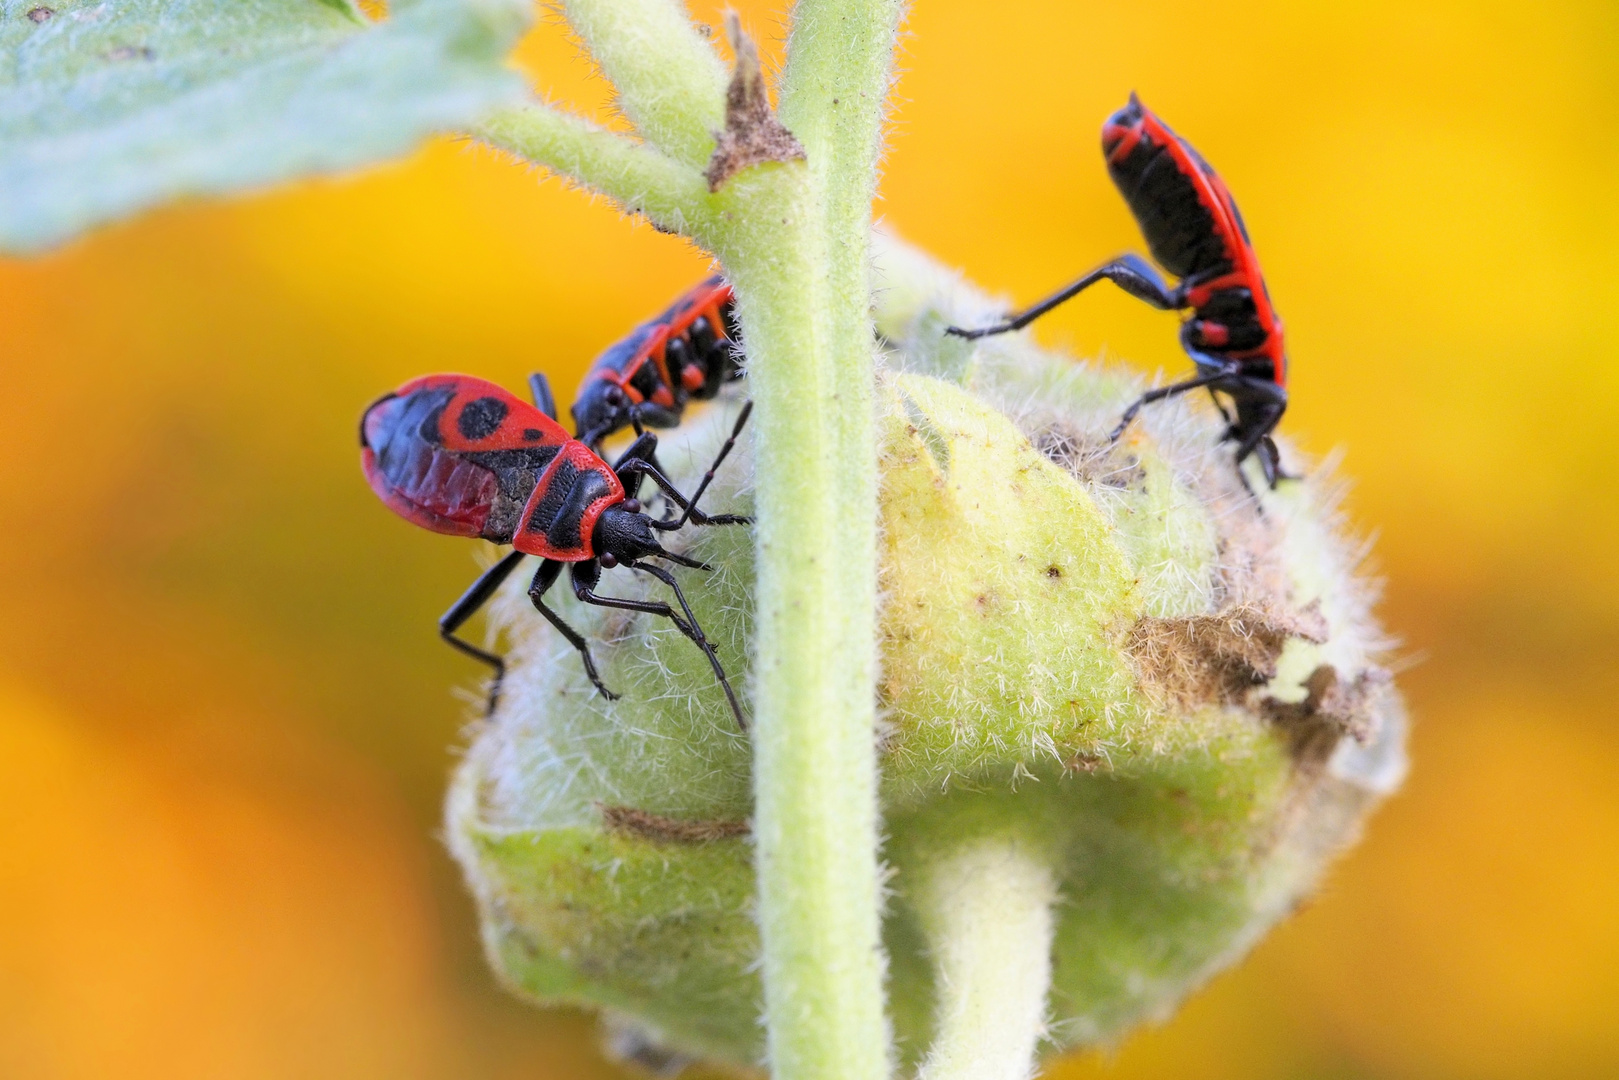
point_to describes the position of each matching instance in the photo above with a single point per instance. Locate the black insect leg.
(1268, 464)
(1260, 405)
(594, 436)
(1213, 381)
(1270, 461)
(692, 514)
(1206, 364)
(586, 576)
(1131, 273)
(464, 608)
(696, 634)
(708, 477)
(1273, 459)
(539, 387)
(644, 449)
(544, 578)
(643, 467)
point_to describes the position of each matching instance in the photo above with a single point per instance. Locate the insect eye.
(615, 396)
(607, 559)
(631, 506)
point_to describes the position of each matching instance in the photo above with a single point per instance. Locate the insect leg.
(1131, 273)
(642, 449)
(651, 471)
(587, 574)
(544, 578)
(474, 598)
(1212, 381)
(540, 388)
(667, 486)
(708, 477)
(1273, 457)
(696, 634)
(1260, 404)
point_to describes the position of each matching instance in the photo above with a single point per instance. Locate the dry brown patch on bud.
(1202, 659)
(1332, 708)
(752, 134)
(649, 826)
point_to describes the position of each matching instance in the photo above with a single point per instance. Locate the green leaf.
(110, 107)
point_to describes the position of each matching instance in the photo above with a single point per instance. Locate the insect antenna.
(681, 560)
(708, 477)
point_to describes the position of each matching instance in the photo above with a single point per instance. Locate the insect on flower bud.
(1105, 666)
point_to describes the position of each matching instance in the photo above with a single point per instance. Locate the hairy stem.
(670, 84)
(834, 95)
(805, 301)
(793, 235)
(987, 912)
(815, 812)
(636, 176)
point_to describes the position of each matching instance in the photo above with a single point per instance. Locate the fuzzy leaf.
(107, 108)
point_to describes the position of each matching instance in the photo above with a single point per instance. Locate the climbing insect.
(687, 352)
(461, 456)
(1194, 231)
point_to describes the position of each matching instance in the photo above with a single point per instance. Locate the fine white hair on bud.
(1107, 668)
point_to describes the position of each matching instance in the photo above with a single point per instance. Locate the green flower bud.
(1131, 711)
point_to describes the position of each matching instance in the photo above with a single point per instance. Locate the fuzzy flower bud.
(1131, 712)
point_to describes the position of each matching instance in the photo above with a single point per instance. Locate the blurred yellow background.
(225, 719)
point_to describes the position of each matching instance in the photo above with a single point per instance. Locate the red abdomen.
(457, 455)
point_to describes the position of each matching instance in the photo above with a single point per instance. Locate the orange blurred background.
(225, 719)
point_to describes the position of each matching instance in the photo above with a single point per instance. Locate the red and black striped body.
(1195, 231)
(686, 352)
(461, 456)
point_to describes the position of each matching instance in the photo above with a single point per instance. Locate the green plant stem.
(815, 770)
(834, 94)
(814, 766)
(987, 912)
(793, 237)
(636, 176)
(670, 83)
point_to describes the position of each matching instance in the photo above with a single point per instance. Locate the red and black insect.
(687, 352)
(459, 455)
(1194, 230)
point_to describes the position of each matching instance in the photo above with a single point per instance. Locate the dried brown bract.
(1203, 659)
(752, 134)
(1334, 707)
